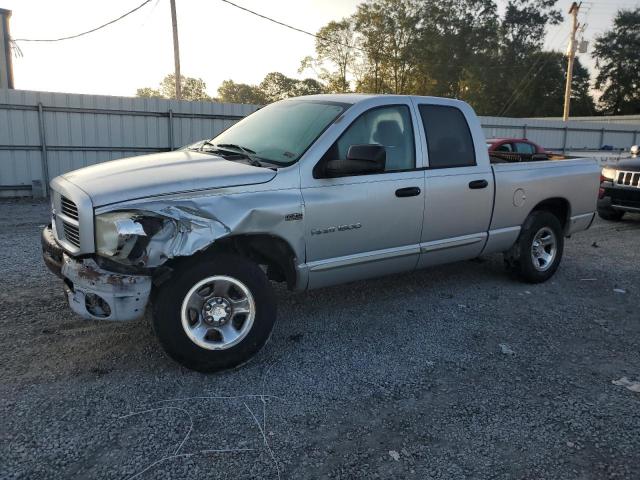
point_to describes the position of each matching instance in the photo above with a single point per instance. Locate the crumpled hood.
(162, 173)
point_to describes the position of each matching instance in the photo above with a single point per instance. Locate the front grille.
(71, 234)
(629, 179)
(69, 208)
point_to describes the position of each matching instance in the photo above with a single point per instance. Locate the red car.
(515, 150)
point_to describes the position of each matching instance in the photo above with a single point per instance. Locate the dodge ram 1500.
(311, 191)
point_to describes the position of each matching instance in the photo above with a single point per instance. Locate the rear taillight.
(603, 178)
(601, 193)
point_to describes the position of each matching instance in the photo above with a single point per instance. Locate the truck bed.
(521, 186)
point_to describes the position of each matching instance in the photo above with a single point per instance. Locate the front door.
(366, 225)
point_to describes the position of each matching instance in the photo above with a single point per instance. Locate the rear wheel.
(610, 214)
(537, 254)
(215, 314)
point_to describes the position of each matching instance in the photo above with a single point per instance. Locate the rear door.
(459, 191)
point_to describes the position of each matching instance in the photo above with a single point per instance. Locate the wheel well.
(557, 206)
(268, 250)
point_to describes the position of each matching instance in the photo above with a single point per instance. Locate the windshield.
(281, 132)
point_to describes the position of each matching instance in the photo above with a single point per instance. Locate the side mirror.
(361, 159)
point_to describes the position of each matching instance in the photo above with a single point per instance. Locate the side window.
(522, 147)
(387, 126)
(448, 137)
(505, 147)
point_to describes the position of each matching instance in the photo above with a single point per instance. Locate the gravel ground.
(453, 372)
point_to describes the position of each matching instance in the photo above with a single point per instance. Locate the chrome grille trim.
(628, 179)
(72, 217)
(72, 234)
(69, 208)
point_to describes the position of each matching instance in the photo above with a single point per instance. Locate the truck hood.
(163, 173)
(627, 165)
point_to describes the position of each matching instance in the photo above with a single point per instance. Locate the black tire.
(519, 259)
(167, 307)
(610, 214)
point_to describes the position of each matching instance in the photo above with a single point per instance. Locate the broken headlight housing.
(124, 236)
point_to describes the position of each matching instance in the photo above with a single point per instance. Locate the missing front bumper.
(98, 294)
(93, 292)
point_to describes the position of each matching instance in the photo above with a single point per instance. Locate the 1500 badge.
(339, 228)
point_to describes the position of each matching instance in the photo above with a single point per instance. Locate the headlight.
(117, 233)
(609, 173)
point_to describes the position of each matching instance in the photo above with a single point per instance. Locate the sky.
(217, 40)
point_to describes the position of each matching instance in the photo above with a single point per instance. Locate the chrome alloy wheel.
(218, 312)
(544, 249)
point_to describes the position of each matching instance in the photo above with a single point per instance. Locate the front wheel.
(214, 314)
(536, 255)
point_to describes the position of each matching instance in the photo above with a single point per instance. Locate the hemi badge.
(289, 217)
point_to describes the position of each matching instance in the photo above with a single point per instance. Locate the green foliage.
(275, 86)
(232, 92)
(542, 94)
(194, 89)
(453, 48)
(617, 53)
(334, 46)
(148, 92)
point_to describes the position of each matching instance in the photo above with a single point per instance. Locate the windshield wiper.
(247, 152)
(244, 150)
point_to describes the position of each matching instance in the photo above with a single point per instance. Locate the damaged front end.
(146, 239)
(96, 293)
(134, 242)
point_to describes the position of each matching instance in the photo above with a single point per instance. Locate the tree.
(388, 32)
(543, 93)
(308, 86)
(148, 92)
(454, 48)
(277, 86)
(617, 54)
(233, 92)
(194, 89)
(334, 46)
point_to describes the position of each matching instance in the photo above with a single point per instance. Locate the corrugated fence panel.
(81, 130)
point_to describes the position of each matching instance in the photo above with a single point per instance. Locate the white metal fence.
(560, 136)
(46, 134)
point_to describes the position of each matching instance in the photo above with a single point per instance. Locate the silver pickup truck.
(311, 191)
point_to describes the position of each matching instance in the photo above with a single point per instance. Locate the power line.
(354, 47)
(278, 22)
(530, 80)
(527, 78)
(83, 33)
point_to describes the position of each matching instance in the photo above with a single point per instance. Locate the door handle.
(408, 192)
(476, 184)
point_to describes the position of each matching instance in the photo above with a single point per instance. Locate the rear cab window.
(449, 141)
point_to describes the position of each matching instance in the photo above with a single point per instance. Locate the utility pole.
(176, 50)
(571, 53)
(6, 67)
